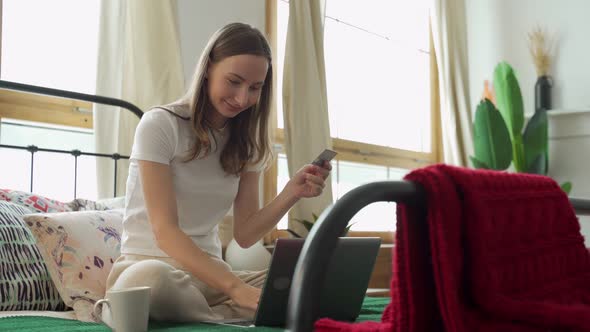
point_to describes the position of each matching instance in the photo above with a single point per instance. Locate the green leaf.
(567, 187)
(347, 229)
(535, 141)
(308, 225)
(492, 140)
(478, 164)
(538, 166)
(509, 98)
(518, 153)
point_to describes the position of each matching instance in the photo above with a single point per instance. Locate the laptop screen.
(347, 279)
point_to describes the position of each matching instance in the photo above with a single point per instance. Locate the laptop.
(347, 279)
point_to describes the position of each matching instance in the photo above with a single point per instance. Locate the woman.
(193, 159)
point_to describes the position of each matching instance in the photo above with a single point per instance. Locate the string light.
(365, 30)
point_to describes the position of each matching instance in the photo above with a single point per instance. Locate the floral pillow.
(112, 203)
(79, 249)
(34, 202)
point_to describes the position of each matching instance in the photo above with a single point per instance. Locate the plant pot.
(543, 93)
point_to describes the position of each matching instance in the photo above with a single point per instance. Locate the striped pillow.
(25, 283)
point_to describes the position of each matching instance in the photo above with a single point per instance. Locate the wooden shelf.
(381, 276)
(378, 292)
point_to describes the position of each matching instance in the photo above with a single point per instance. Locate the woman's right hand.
(245, 296)
(309, 181)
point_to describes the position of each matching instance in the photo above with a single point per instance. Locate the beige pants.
(176, 295)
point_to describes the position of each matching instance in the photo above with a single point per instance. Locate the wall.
(199, 19)
(570, 132)
(497, 30)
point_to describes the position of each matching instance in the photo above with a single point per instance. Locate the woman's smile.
(233, 108)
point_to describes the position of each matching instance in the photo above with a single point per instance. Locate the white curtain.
(138, 61)
(305, 105)
(448, 22)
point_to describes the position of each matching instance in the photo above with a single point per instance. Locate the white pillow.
(112, 203)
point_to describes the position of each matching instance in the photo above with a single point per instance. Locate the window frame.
(354, 151)
(39, 108)
(61, 111)
(45, 109)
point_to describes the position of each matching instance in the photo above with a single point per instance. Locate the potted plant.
(499, 139)
(308, 224)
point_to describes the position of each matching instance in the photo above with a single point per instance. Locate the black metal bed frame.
(7, 85)
(310, 271)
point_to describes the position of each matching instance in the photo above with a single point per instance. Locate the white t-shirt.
(204, 192)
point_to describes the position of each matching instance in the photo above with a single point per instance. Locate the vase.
(543, 93)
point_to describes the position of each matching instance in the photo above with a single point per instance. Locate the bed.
(303, 305)
(371, 311)
(65, 320)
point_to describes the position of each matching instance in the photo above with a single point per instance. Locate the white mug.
(125, 310)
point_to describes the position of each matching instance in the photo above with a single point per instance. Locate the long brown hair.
(249, 140)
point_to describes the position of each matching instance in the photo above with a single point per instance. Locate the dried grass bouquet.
(541, 49)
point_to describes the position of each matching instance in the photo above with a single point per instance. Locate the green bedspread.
(372, 309)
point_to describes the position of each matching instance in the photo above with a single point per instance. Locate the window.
(377, 56)
(51, 44)
(53, 173)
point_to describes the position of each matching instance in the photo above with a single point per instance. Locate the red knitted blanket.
(500, 252)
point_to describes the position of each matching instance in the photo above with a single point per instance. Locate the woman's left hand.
(309, 181)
